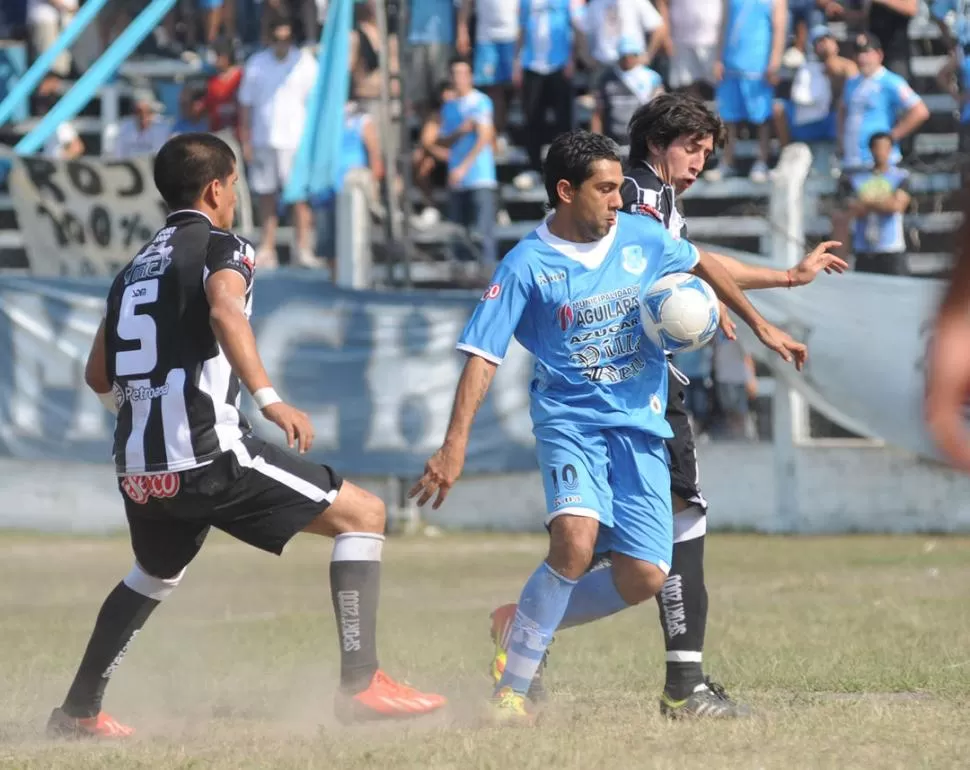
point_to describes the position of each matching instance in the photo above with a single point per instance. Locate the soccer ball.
(680, 312)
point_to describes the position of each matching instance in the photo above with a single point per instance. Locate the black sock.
(122, 615)
(683, 615)
(355, 583)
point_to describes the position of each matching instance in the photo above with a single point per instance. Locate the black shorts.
(257, 493)
(683, 456)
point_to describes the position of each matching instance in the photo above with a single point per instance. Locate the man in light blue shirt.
(569, 292)
(752, 41)
(467, 128)
(431, 38)
(544, 71)
(875, 101)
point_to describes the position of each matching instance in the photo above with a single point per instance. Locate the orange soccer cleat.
(63, 725)
(386, 699)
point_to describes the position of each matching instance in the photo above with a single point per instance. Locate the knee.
(368, 514)
(636, 580)
(152, 586)
(571, 545)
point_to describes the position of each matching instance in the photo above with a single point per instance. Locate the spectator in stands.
(952, 19)
(222, 90)
(276, 86)
(803, 15)
(212, 12)
(431, 38)
(544, 70)
(192, 115)
(366, 50)
(496, 34)
(607, 22)
(697, 367)
(954, 78)
(428, 157)
(46, 19)
(64, 143)
(735, 385)
(693, 27)
(621, 89)
(875, 101)
(750, 47)
(144, 132)
(876, 199)
(850, 12)
(810, 114)
(889, 21)
(467, 130)
(360, 151)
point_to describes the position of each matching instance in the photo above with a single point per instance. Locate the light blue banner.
(375, 371)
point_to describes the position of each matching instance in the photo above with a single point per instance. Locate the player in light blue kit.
(569, 293)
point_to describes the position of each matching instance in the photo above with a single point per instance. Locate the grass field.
(855, 652)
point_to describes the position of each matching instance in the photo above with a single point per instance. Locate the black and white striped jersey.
(177, 395)
(644, 192)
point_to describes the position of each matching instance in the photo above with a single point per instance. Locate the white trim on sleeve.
(472, 350)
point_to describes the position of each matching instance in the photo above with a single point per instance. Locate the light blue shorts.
(743, 100)
(494, 63)
(618, 476)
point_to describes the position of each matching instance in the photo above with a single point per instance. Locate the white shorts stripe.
(588, 513)
(294, 482)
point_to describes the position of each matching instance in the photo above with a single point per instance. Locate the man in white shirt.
(145, 131)
(607, 21)
(276, 86)
(46, 19)
(693, 26)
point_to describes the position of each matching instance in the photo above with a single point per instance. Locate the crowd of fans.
(772, 67)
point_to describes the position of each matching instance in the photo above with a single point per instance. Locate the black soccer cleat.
(708, 701)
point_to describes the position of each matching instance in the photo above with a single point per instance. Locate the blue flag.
(317, 166)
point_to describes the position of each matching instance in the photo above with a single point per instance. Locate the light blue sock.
(541, 607)
(594, 597)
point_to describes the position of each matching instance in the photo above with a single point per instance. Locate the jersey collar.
(184, 212)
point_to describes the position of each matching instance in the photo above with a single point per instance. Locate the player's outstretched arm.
(445, 465)
(712, 271)
(948, 364)
(226, 292)
(752, 277)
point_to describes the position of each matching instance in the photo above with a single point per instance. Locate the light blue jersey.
(747, 42)
(599, 391)
(879, 233)
(547, 29)
(964, 85)
(576, 308)
(353, 151)
(477, 107)
(432, 21)
(872, 105)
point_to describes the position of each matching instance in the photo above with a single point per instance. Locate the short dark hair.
(459, 60)
(571, 156)
(668, 116)
(187, 163)
(879, 135)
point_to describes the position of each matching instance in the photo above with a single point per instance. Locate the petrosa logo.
(492, 292)
(566, 316)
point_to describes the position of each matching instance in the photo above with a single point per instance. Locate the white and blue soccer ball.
(680, 312)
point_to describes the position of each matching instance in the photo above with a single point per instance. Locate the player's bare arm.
(96, 371)
(750, 277)
(226, 292)
(948, 365)
(731, 294)
(445, 465)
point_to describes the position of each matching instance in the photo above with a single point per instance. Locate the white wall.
(840, 488)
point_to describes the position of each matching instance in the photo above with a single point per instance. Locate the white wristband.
(265, 397)
(108, 399)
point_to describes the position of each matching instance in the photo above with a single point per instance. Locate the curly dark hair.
(668, 116)
(571, 156)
